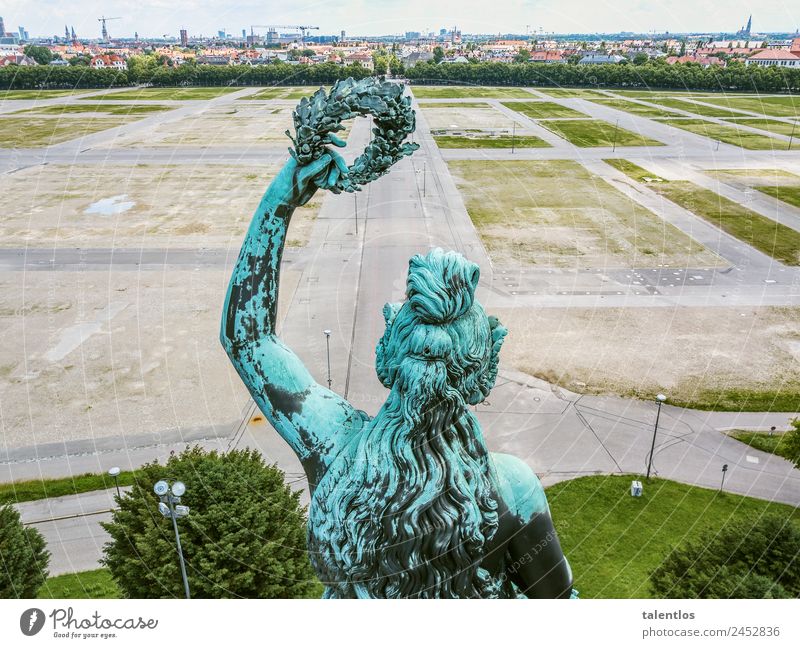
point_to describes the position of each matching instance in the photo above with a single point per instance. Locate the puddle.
(110, 206)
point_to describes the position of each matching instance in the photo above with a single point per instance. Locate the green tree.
(438, 54)
(42, 55)
(522, 56)
(744, 559)
(244, 536)
(790, 443)
(81, 60)
(640, 59)
(23, 557)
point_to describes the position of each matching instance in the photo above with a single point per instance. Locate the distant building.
(108, 61)
(744, 32)
(23, 33)
(411, 59)
(16, 59)
(781, 57)
(413, 35)
(184, 38)
(221, 33)
(343, 35)
(2, 27)
(548, 56)
(600, 59)
(362, 58)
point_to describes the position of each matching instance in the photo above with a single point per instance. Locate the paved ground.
(355, 261)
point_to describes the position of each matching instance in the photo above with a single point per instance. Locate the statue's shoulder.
(519, 486)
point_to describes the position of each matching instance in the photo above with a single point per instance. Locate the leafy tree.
(640, 59)
(81, 60)
(42, 55)
(438, 54)
(790, 443)
(744, 559)
(522, 56)
(23, 557)
(244, 536)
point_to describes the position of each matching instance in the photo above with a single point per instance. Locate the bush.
(790, 443)
(244, 536)
(23, 557)
(742, 560)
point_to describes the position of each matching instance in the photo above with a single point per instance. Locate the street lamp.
(170, 507)
(614, 146)
(724, 470)
(114, 472)
(660, 400)
(327, 333)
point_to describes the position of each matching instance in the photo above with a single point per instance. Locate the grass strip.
(614, 541)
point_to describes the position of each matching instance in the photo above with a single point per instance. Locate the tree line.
(16, 77)
(691, 76)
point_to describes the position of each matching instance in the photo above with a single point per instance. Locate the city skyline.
(156, 18)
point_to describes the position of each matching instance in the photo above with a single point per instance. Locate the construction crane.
(104, 20)
(303, 29)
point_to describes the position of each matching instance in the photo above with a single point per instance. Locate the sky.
(153, 18)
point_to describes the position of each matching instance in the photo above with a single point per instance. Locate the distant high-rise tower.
(344, 36)
(749, 25)
(244, 34)
(184, 38)
(2, 27)
(66, 32)
(74, 37)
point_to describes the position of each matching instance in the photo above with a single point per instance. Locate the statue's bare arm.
(311, 418)
(536, 562)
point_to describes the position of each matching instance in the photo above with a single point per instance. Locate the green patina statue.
(409, 503)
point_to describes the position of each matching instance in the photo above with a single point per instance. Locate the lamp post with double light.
(170, 507)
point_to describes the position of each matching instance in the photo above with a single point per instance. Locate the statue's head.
(414, 509)
(439, 343)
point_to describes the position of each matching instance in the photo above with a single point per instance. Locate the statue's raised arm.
(311, 418)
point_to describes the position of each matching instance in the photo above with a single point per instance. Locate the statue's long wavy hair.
(408, 512)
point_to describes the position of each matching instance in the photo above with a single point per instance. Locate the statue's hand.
(322, 173)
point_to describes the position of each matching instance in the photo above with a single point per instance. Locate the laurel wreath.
(319, 117)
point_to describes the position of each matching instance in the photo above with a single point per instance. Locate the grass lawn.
(289, 92)
(697, 109)
(36, 95)
(37, 489)
(453, 104)
(632, 107)
(634, 170)
(780, 242)
(772, 443)
(595, 132)
(789, 195)
(786, 106)
(614, 541)
(168, 94)
(468, 92)
(771, 125)
(504, 142)
(571, 93)
(542, 109)
(109, 109)
(728, 134)
(95, 584)
(557, 213)
(24, 132)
